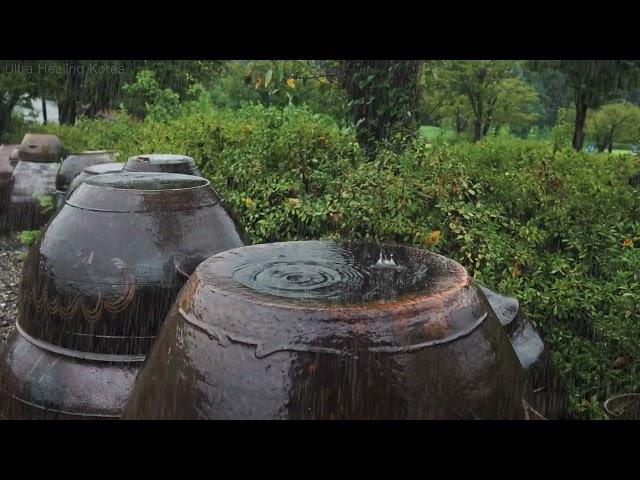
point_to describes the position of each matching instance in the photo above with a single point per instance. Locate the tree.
(553, 90)
(621, 120)
(70, 92)
(592, 82)
(17, 85)
(151, 99)
(282, 82)
(482, 93)
(88, 87)
(516, 105)
(383, 99)
(478, 81)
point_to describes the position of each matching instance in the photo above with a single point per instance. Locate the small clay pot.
(623, 407)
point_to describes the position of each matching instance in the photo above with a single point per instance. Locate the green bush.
(558, 229)
(27, 237)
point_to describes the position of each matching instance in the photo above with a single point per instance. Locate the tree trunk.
(477, 129)
(383, 97)
(5, 119)
(489, 117)
(486, 128)
(581, 117)
(44, 111)
(68, 106)
(610, 142)
(477, 121)
(460, 124)
(5, 115)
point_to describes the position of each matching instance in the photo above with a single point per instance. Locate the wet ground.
(10, 268)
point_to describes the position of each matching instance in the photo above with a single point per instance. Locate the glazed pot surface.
(31, 181)
(107, 287)
(40, 148)
(100, 169)
(162, 162)
(328, 330)
(6, 171)
(6, 166)
(91, 302)
(74, 164)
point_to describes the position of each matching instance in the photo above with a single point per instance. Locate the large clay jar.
(34, 177)
(550, 393)
(327, 330)
(6, 171)
(100, 169)
(73, 165)
(96, 287)
(40, 148)
(162, 162)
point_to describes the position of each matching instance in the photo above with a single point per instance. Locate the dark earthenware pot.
(313, 330)
(97, 285)
(31, 181)
(623, 407)
(73, 165)
(6, 171)
(34, 176)
(161, 162)
(100, 169)
(550, 393)
(40, 148)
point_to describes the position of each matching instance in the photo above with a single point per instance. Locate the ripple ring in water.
(316, 278)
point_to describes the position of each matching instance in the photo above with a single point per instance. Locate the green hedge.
(559, 231)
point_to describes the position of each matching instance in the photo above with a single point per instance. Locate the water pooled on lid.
(340, 272)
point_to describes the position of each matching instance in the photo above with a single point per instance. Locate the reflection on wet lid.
(103, 168)
(161, 162)
(146, 181)
(336, 272)
(130, 192)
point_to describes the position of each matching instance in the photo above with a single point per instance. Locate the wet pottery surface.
(327, 330)
(91, 303)
(162, 162)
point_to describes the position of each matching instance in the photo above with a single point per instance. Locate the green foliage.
(562, 132)
(558, 229)
(147, 98)
(279, 83)
(383, 99)
(479, 96)
(615, 121)
(28, 237)
(46, 203)
(593, 82)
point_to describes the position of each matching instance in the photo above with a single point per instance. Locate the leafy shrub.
(28, 237)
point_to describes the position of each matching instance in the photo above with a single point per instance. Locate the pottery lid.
(161, 162)
(131, 192)
(40, 148)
